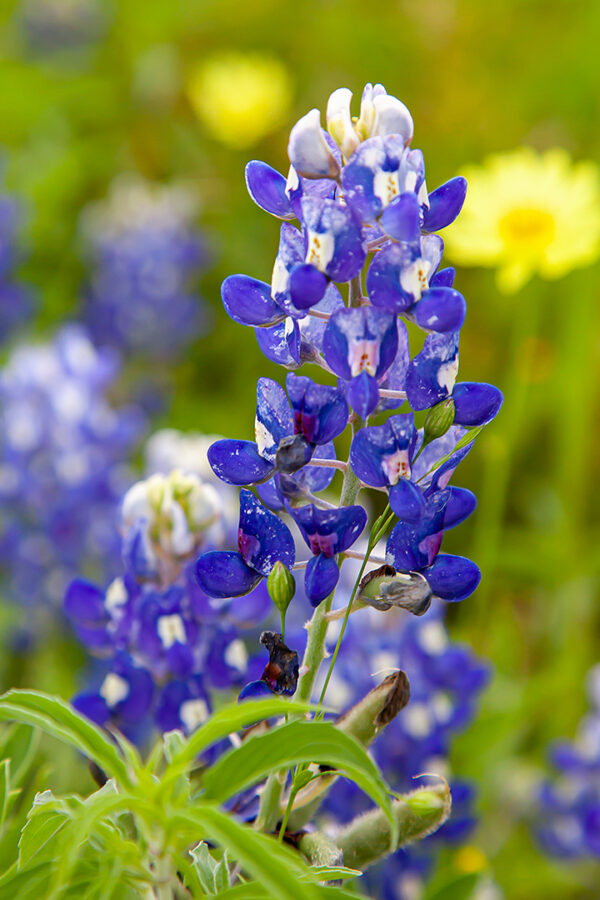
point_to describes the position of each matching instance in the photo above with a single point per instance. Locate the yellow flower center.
(527, 228)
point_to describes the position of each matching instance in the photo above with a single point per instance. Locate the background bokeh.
(93, 90)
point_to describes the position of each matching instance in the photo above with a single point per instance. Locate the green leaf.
(205, 866)
(20, 746)
(254, 891)
(288, 745)
(44, 822)
(333, 873)
(275, 866)
(59, 719)
(229, 719)
(221, 874)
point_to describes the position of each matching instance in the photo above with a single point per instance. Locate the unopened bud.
(425, 802)
(281, 586)
(438, 420)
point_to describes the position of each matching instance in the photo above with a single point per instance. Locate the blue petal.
(321, 576)
(443, 278)
(281, 343)
(223, 574)
(407, 501)
(330, 530)
(270, 495)
(249, 302)
(402, 549)
(401, 219)
(376, 157)
(395, 376)
(93, 706)
(238, 462)
(273, 414)
(263, 538)
(352, 334)
(452, 577)
(363, 394)
(381, 454)
(317, 478)
(430, 375)
(440, 309)
(461, 504)
(320, 412)
(266, 186)
(307, 286)
(445, 203)
(335, 222)
(383, 278)
(476, 403)
(84, 602)
(290, 254)
(254, 689)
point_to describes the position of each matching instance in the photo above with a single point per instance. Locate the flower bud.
(281, 586)
(293, 453)
(438, 420)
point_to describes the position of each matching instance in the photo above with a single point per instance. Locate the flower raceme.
(355, 203)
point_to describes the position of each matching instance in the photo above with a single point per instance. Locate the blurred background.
(124, 131)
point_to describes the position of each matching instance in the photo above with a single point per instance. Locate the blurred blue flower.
(63, 452)
(145, 254)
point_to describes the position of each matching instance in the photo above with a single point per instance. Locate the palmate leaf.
(288, 745)
(60, 720)
(229, 719)
(277, 868)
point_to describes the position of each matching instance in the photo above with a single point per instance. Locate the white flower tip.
(339, 121)
(391, 116)
(308, 150)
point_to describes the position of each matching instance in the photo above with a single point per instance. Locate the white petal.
(308, 150)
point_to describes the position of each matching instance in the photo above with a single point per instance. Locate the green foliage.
(148, 830)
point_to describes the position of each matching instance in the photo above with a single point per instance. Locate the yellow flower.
(240, 97)
(528, 212)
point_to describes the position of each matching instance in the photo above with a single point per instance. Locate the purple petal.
(335, 241)
(249, 302)
(395, 376)
(266, 186)
(321, 576)
(445, 203)
(440, 309)
(223, 574)
(238, 462)
(452, 577)
(476, 403)
(363, 339)
(373, 176)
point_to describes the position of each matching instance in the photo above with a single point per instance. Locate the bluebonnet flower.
(263, 539)
(15, 299)
(327, 533)
(568, 810)
(165, 644)
(63, 448)
(287, 432)
(144, 253)
(431, 379)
